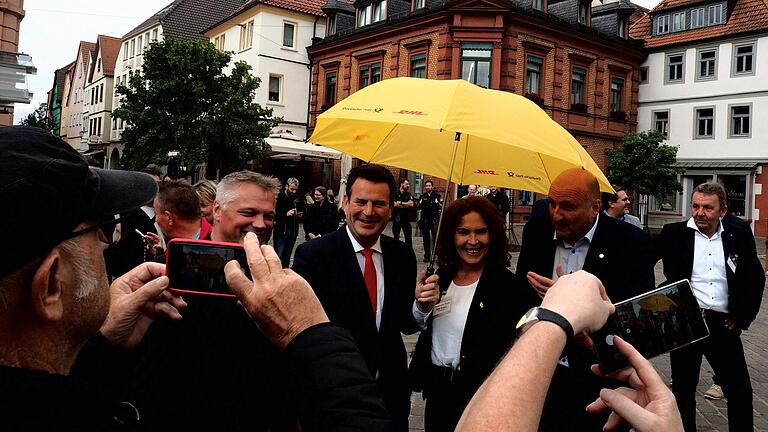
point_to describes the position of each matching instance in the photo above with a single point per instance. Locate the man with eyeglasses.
(53, 283)
(618, 205)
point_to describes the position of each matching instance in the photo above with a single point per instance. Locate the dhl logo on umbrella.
(410, 112)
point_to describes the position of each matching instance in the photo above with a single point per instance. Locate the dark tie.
(369, 274)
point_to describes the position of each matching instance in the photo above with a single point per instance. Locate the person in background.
(500, 199)
(401, 213)
(618, 205)
(321, 217)
(286, 227)
(471, 327)
(471, 191)
(206, 191)
(429, 206)
(177, 212)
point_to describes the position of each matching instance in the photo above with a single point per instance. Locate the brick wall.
(761, 203)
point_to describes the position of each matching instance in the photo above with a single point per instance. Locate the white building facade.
(704, 85)
(272, 38)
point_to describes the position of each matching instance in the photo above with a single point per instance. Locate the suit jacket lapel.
(483, 285)
(390, 272)
(689, 245)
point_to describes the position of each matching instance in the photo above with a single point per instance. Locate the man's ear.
(216, 211)
(46, 288)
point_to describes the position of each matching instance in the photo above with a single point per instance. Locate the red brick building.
(574, 60)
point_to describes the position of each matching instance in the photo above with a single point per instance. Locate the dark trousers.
(445, 402)
(428, 232)
(284, 246)
(398, 223)
(725, 354)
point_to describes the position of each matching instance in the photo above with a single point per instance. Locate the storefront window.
(736, 188)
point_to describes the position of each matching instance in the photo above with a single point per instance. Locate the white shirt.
(708, 278)
(448, 324)
(378, 262)
(150, 212)
(571, 256)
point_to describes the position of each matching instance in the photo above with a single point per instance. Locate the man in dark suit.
(366, 281)
(577, 237)
(719, 259)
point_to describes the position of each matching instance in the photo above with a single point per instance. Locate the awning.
(291, 147)
(717, 164)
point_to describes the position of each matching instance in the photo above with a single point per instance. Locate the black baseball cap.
(47, 189)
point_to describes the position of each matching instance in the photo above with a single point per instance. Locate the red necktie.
(370, 277)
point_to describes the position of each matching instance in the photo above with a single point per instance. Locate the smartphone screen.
(654, 323)
(197, 267)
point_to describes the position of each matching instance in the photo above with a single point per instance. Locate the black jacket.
(496, 307)
(38, 401)
(287, 225)
(675, 245)
(501, 201)
(321, 219)
(331, 268)
(621, 256)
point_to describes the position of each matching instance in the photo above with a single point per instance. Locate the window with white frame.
(744, 59)
(538, 5)
(154, 35)
(125, 51)
(419, 65)
(419, 4)
(662, 24)
(740, 120)
(578, 78)
(289, 35)
(133, 47)
(331, 24)
(146, 39)
(139, 44)
(675, 68)
(533, 69)
(363, 15)
(476, 63)
(98, 65)
(715, 14)
(623, 25)
(706, 64)
(246, 35)
(705, 123)
(583, 12)
(617, 90)
(218, 42)
(661, 122)
(697, 17)
(370, 73)
(678, 21)
(379, 12)
(275, 88)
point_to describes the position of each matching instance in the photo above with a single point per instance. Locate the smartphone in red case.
(197, 266)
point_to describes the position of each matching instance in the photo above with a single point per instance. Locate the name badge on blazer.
(732, 261)
(443, 307)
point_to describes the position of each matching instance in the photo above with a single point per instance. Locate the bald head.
(574, 202)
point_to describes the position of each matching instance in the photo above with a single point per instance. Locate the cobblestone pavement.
(712, 416)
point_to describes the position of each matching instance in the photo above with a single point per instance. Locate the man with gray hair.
(199, 373)
(286, 221)
(719, 259)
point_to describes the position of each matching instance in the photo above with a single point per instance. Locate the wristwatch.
(536, 314)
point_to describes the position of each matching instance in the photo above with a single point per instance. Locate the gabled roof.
(311, 7)
(339, 5)
(746, 16)
(676, 4)
(58, 80)
(621, 6)
(85, 50)
(110, 48)
(188, 19)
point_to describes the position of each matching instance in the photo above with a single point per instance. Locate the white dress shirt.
(378, 262)
(708, 278)
(448, 325)
(571, 256)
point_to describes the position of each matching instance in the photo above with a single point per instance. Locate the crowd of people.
(319, 347)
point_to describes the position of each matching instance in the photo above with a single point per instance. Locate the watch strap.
(554, 317)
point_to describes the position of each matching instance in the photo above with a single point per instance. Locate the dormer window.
(662, 24)
(715, 14)
(419, 4)
(678, 21)
(623, 24)
(538, 5)
(697, 17)
(331, 25)
(583, 13)
(372, 13)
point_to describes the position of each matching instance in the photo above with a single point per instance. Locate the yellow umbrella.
(454, 130)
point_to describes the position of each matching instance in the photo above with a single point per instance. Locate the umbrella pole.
(431, 268)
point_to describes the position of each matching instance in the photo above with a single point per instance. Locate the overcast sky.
(52, 29)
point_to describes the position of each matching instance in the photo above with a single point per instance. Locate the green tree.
(643, 163)
(39, 118)
(182, 101)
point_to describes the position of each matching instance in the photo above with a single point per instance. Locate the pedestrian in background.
(321, 217)
(401, 213)
(429, 206)
(206, 191)
(286, 226)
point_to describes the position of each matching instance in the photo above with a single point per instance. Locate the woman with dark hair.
(473, 324)
(321, 217)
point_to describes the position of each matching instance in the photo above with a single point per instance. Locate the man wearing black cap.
(53, 284)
